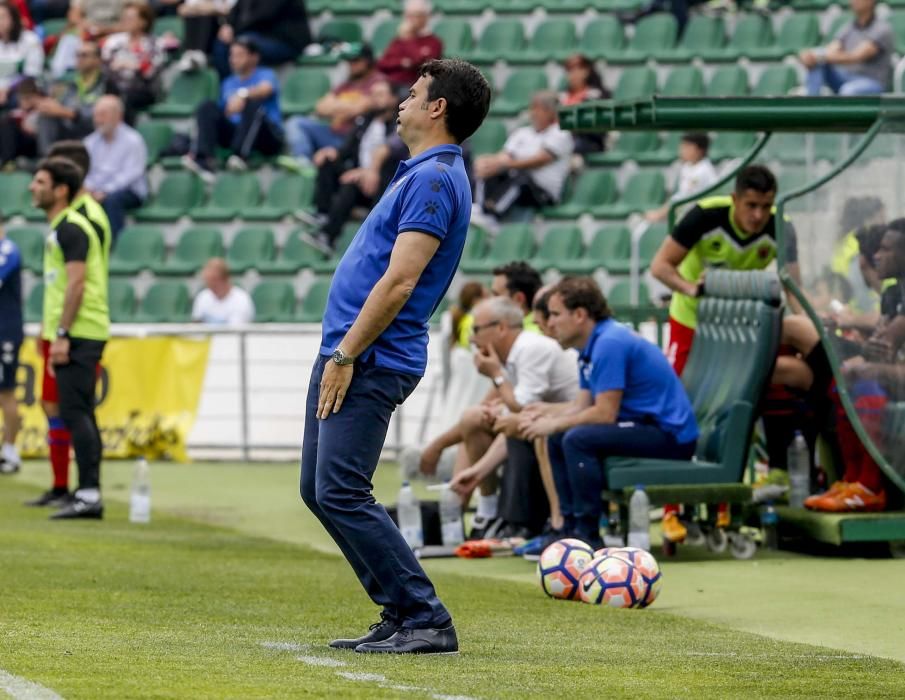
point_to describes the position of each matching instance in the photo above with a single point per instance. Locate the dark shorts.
(9, 363)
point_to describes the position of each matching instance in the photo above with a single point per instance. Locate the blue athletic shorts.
(9, 363)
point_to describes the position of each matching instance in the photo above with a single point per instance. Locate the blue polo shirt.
(10, 292)
(234, 83)
(430, 193)
(618, 359)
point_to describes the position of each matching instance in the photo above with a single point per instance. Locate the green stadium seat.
(475, 244)
(251, 246)
(187, 92)
(295, 255)
(515, 7)
(799, 31)
(591, 188)
(515, 241)
(137, 248)
(685, 81)
(455, 35)
(489, 138)
(644, 190)
(340, 30)
(460, 7)
(274, 302)
(602, 37)
(30, 240)
(121, 300)
(635, 83)
(799, 148)
(667, 153)
(610, 243)
(157, 136)
(561, 245)
(776, 81)
(196, 246)
(648, 245)
(657, 31)
(301, 89)
(731, 144)
(166, 301)
(232, 193)
(383, 34)
(169, 24)
(566, 6)
(54, 26)
(14, 195)
(361, 7)
(342, 243)
(620, 295)
(516, 94)
(288, 192)
(34, 304)
(701, 32)
(554, 39)
(752, 32)
(501, 39)
(311, 309)
(728, 81)
(629, 146)
(179, 193)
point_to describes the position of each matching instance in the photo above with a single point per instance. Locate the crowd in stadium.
(100, 76)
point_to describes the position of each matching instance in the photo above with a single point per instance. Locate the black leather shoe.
(411, 641)
(55, 498)
(80, 509)
(378, 632)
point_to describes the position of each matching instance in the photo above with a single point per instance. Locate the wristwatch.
(62, 333)
(243, 93)
(340, 358)
(499, 380)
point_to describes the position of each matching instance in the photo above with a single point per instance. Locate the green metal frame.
(868, 115)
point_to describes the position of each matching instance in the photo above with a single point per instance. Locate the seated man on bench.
(631, 404)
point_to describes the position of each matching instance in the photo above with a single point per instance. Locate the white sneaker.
(236, 164)
(206, 175)
(10, 461)
(192, 61)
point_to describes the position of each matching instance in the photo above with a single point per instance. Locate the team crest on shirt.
(431, 207)
(764, 252)
(436, 185)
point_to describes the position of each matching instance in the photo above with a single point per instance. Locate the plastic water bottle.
(769, 521)
(408, 510)
(140, 496)
(798, 462)
(639, 519)
(452, 530)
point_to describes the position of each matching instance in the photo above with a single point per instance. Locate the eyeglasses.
(477, 329)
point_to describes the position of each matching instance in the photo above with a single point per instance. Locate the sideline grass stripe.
(24, 689)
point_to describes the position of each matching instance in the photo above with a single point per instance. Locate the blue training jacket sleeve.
(10, 259)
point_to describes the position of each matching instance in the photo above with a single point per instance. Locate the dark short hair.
(466, 91)
(755, 177)
(249, 44)
(15, 32)
(869, 238)
(583, 293)
(63, 171)
(541, 303)
(897, 225)
(520, 277)
(697, 138)
(145, 12)
(73, 150)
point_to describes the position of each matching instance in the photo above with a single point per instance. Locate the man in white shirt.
(221, 303)
(525, 368)
(118, 161)
(532, 167)
(695, 174)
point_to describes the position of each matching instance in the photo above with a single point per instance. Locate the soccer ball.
(560, 566)
(604, 551)
(612, 581)
(649, 569)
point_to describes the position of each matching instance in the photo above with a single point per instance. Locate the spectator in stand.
(220, 303)
(102, 17)
(335, 113)
(520, 282)
(278, 27)
(584, 83)
(530, 170)
(19, 127)
(67, 112)
(201, 21)
(21, 52)
(414, 45)
(355, 173)
(118, 161)
(134, 60)
(62, 49)
(858, 59)
(24, 13)
(695, 174)
(245, 119)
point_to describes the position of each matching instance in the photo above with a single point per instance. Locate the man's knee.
(208, 109)
(472, 420)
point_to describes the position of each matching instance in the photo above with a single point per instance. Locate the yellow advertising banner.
(148, 393)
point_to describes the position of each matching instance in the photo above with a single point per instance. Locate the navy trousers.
(577, 458)
(339, 456)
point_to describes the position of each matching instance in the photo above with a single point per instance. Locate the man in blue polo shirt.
(374, 351)
(10, 342)
(630, 404)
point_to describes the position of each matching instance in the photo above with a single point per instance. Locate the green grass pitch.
(233, 592)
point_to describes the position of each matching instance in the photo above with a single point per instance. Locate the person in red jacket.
(413, 46)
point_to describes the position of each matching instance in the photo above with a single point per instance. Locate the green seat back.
(138, 247)
(198, 244)
(522, 84)
(157, 136)
(121, 300)
(751, 31)
(732, 144)
(727, 81)
(475, 244)
(302, 88)
(655, 31)
(613, 242)
(170, 24)
(501, 36)
(455, 35)
(489, 138)
(166, 302)
(297, 251)
(620, 294)
(191, 89)
(253, 244)
(634, 83)
(179, 190)
(685, 81)
(289, 190)
(644, 190)
(800, 31)
(560, 243)
(30, 240)
(311, 310)
(513, 242)
(235, 191)
(34, 304)
(339, 30)
(383, 34)
(632, 143)
(650, 243)
(274, 302)
(553, 35)
(602, 35)
(775, 81)
(702, 32)
(14, 194)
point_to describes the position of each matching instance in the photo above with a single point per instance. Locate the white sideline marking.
(24, 689)
(285, 646)
(321, 661)
(367, 677)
